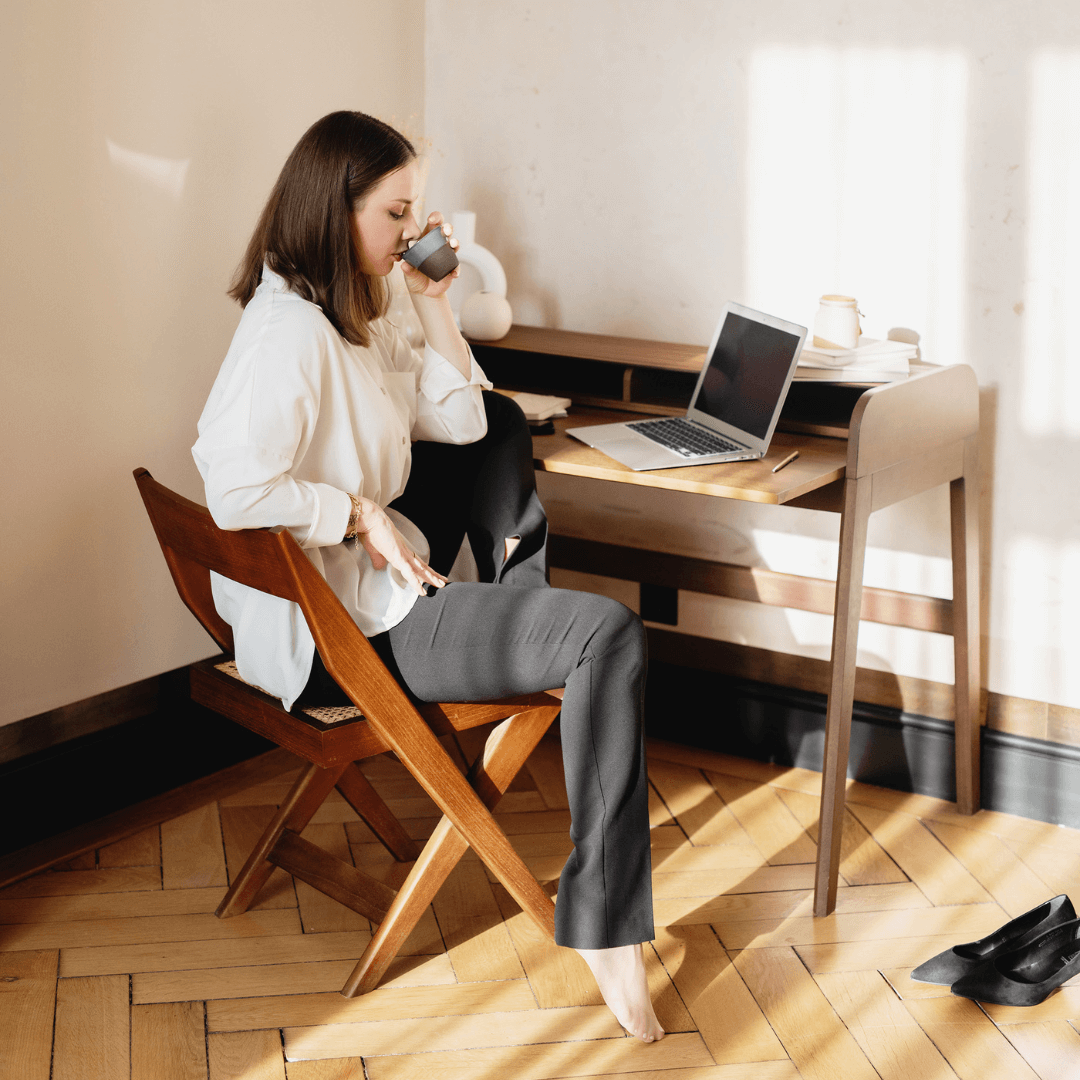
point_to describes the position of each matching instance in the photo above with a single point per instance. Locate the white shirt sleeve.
(258, 421)
(449, 406)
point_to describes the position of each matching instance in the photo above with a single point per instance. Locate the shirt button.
(402, 440)
(383, 389)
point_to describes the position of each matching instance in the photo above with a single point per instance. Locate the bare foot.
(620, 974)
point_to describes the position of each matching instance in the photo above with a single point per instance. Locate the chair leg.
(966, 646)
(306, 796)
(845, 638)
(366, 801)
(505, 751)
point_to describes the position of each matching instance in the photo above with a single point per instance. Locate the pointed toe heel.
(1028, 975)
(961, 960)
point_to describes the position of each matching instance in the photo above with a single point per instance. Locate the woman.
(311, 424)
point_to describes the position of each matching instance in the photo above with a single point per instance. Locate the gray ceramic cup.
(432, 255)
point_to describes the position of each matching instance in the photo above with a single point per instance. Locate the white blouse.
(296, 419)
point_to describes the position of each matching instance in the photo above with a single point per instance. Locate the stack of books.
(873, 361)
(539, 407)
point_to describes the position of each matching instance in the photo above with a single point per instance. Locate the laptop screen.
(746, 374)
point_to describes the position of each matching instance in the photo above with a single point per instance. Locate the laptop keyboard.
(684, 438)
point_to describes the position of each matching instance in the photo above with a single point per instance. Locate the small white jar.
(836, 325)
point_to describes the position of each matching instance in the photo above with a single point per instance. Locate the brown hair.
(306, 231)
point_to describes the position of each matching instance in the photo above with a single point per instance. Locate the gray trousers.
(512, 634)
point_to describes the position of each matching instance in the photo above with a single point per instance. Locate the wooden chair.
(385, 720)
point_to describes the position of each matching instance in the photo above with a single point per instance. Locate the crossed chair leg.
(395, 913)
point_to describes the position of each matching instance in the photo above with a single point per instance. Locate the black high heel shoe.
(945, 968)
(1027, 975)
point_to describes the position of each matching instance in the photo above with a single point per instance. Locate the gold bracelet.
(354, 518)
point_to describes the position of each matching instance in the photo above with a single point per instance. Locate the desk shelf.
(632, 375)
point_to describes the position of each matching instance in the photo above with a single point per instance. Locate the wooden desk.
(902, 438)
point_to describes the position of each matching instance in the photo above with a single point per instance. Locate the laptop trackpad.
(626, 446)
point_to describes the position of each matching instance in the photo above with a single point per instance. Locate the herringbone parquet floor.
(115, 966)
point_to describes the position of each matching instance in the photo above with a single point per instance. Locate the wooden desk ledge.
(821, 461)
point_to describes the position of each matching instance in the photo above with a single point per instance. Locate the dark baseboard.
(65, 783)
(90, 760)
(890, 748)
(98, 713)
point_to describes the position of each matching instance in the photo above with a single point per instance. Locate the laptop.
(735, 406)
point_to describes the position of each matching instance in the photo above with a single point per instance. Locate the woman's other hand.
(385, 545)
(420, 284)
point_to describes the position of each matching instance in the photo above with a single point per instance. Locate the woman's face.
(385, 222)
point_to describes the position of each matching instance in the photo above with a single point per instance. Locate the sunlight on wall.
(855, 181)
(1040, 583)
(1050, 388)
(166, 174)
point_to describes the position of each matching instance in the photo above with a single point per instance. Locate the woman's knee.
(618, 629)
(504, 416)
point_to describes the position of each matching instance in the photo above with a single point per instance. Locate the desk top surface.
(820, 462)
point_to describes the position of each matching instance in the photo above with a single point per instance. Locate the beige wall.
(140, 141)
(636, 164)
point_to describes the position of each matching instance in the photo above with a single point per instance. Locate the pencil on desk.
(787, 461)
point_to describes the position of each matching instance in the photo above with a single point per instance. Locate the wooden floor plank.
(246, 1055)
(767, 820)
(685, 858)
(875, 954)
(961, 923)
(93, 1034)
(192, 855)
(319, 913)
(694, 803)
(779, 905)
(862, 860)
(814, 1037)
(311, 977)
(921, 856)
(1058, 868)
(549, 1060)
(76, 882)
(153, 928)
(270, 792)
(381, 1037)
(696, 758)
(27, 1004)
(1010, 881)
(1051, 1048)
(659, 814)
(62, 909)
(477, 941)
(339, 1069)
(188, 955)
(559, 977)
(887, 1033)
(140, 952)
(761, 879)
(723, 1009)
(168, 1042)
(383, 1003)
(969, 1041)
(139, 849)
(1063, 1004)
(241, 827)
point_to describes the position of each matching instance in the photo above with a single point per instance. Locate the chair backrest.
(272, 561)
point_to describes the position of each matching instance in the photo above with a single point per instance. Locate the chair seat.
(325, 714)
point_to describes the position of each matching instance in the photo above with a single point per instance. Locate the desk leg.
(849, 576)
(964, 504)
